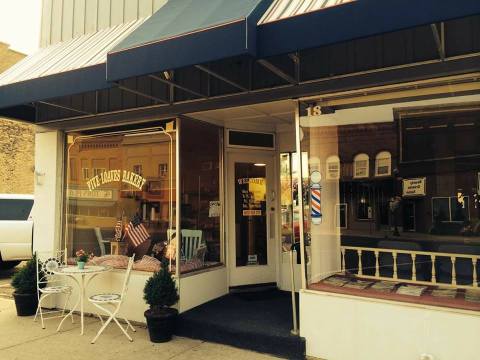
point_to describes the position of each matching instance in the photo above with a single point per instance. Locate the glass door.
(251, 219)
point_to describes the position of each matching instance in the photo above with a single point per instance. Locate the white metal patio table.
(79, 276)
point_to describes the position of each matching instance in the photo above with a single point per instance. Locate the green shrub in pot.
(161, 293)
(24, 282)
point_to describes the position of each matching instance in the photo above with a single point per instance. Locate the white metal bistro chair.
(49, 284)
(115, 302)
(191, 243)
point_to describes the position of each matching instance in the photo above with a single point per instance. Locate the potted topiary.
(161, 293)
(25, 295)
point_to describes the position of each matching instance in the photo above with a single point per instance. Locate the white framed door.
(251, 218)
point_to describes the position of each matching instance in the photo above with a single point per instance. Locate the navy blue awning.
(188, 32)
(71, 67)
(352, 20)
(52, 86)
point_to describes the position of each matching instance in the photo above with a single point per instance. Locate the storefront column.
(47, 212)
(301, 214)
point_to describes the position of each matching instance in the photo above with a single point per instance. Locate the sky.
(20, 24)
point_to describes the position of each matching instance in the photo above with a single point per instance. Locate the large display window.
(392, 202)
(121, 196)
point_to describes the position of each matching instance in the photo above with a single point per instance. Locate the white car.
(16, 229)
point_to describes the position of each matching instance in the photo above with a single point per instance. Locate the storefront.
(200, 151)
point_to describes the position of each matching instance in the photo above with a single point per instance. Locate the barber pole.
(316, 204)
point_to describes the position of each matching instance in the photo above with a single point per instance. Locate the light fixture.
(259, 164)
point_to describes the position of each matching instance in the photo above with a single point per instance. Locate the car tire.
(6, 265)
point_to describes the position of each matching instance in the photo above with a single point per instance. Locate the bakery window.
(122, 207)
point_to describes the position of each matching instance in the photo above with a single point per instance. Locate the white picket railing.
(395, 252)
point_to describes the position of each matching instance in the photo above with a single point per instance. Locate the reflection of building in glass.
(358, 158)
(430, 163)
(441, 148)
(124, 171)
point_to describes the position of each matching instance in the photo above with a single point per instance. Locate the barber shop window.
(122, 206)
(409, 228)
(201, 244)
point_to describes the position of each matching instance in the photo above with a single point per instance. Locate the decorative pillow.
(191, 265)
(147, 263)
(116, 261)
(200, 253)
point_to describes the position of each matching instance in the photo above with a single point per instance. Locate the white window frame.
(248, 146)
(333, 159)
(356, 159)
(162, 170)
(383, 155)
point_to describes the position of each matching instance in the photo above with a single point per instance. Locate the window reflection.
(117, 202)
(201, 209)
(290, 215)
(402, 203)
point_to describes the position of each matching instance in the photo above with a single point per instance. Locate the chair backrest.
(191, 241)
(127, 276)
(99, 236)
(47, 262)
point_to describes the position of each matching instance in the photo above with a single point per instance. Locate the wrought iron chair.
(115, 302)
(49, 284)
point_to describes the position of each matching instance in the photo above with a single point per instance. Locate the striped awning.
(293, 25)
(65, 68)
(282, 9)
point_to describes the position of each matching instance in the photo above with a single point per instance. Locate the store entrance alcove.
(258, 319)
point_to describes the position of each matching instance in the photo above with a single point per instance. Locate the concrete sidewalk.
(21, 338)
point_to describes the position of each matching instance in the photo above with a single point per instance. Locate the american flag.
(118, 230)
(136, 232)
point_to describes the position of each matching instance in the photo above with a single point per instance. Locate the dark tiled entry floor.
(259, 320)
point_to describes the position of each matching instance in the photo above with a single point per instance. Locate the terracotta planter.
(161, 324)
(26, 304)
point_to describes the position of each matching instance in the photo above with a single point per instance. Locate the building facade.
(16, 142)
(239, 142)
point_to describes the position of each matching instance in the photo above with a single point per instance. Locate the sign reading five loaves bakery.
(125, 176)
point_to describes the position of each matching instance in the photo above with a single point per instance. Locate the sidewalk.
(21, 338)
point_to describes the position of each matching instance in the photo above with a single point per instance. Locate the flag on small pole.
(136, 231)
(118, 230)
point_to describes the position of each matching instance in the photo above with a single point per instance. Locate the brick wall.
(16, 143)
